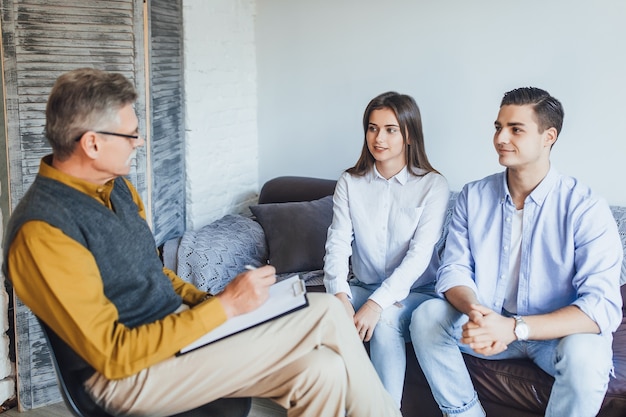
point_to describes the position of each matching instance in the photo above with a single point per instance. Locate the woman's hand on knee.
(366, 319)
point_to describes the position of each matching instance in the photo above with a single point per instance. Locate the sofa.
(287, 228)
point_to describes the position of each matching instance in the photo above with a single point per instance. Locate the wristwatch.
(521, 328)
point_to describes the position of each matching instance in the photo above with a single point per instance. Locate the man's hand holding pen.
(248, 290)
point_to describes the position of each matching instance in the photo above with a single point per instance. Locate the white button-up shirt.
(389, 227)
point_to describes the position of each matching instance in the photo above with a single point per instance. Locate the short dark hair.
(81, 100)
(548, 109)
(410, 123)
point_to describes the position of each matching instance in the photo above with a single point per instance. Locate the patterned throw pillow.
(619, 212)
(212, 256)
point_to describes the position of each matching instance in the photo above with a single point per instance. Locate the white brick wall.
(221, 108)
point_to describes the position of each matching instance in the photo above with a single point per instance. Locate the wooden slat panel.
(41, 40)
(44, 38)
(167, 104)
(86, 4)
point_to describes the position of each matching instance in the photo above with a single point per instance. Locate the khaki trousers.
(311, 362)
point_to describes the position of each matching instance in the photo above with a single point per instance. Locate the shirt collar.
(401, 177)
(541, 191)
(99, 192)
(539, 194)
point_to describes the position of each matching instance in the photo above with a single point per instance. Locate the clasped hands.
(487, 332)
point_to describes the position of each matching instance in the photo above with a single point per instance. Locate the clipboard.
(285, 296)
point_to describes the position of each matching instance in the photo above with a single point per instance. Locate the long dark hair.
(410, 122)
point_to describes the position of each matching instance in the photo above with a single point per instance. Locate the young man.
(531, 269)
(80, 254)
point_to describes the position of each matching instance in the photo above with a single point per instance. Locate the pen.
(250, 267)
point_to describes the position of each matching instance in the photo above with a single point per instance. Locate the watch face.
(521, 329)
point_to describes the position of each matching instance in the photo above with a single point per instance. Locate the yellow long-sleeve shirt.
(58, 279)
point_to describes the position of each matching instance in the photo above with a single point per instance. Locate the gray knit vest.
(119, 239)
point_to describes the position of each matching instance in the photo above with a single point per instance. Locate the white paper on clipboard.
(284, 297)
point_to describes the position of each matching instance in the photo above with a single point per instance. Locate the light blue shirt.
(571, 253)
(389, 227)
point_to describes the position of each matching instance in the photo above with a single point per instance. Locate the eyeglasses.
(121, 135)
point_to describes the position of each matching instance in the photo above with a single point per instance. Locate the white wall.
(221, 119)
(320, 62)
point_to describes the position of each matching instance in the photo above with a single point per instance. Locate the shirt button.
(506, 248)
(508, 220)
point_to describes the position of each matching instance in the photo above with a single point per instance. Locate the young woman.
(388, 213)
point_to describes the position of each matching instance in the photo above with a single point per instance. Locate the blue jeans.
(580, 363)
(387, 346)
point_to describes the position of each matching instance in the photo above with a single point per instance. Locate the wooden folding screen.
(42, 39)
